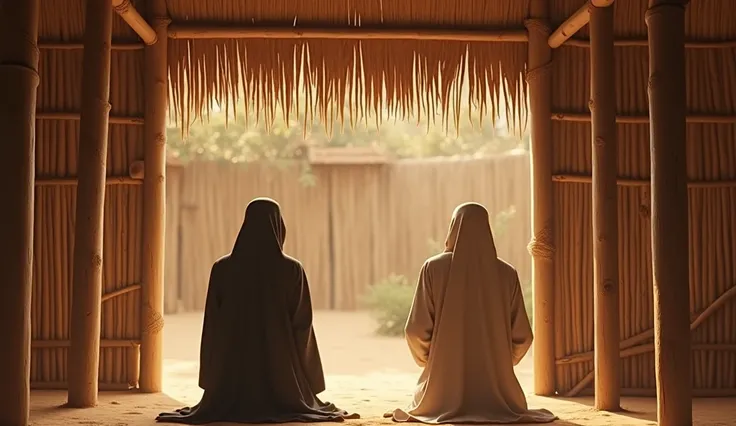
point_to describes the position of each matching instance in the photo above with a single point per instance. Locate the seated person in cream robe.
(259, 361)
(468, 329)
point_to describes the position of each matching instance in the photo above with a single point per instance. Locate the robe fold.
(467, 328)
(259, 360)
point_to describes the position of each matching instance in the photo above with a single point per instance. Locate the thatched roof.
(411, 78)
(354, 80)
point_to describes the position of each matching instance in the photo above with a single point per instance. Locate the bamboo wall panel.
(356, 226)
(712, 223)
(56, 157)
(325, 77)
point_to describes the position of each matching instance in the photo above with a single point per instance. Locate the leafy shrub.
(389, 300)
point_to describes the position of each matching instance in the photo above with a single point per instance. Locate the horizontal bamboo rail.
(631, 347)
(60, 45)
(642, 42)
(71, 181)
(644, 119)
(135, 177)
(134, 19)
(63, 386)
(193, 31)
(652, 392)
(104, 343)
(574, 178)
(185, 31)
(74, 116)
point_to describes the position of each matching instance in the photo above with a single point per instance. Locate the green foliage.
(389, 300)
(243, 138)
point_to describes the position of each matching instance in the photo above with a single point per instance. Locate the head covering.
(263, 231)
(470, 232)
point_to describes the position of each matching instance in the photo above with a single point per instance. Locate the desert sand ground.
(365, 373)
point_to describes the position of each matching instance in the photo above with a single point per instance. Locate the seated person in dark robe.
(259, 361)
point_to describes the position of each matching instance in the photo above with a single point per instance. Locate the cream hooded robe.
(468, 328)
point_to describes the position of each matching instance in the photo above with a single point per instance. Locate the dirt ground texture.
(365, 373)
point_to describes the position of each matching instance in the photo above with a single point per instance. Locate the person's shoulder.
(293, 264)
(506, 269)
(438, 261)
(221, 261)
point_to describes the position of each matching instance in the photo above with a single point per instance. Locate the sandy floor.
(365, 373)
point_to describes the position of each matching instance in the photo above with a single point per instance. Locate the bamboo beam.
(131, 16)
(104, 343)
(605, 212)
(73, 181)
(84, 351)
(154, 203)
(691, 44)
(109, 387)
(633, 341)
(18, 85)
(195, 31)
(670, 262)
(572, 178)
(73, 116)
(573, 24)
(542, 246)
(652, 392)
(643, 349)
(58, 45)
(644, 119)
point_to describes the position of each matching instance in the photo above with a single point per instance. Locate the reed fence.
(354, 226)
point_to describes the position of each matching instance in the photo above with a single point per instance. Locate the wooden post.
(18, 85)
(84, 352)
(605, 211)
(669, 215)
(154, 201)
(542, 246)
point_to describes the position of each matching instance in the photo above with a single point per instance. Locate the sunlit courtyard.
(365, 373)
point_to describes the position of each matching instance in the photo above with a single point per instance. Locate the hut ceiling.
(217, 57)
(348, 79)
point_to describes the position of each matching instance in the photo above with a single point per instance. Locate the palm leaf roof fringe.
(348, 81)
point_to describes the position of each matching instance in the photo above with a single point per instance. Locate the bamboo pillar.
(667, 110)
(541, 247)
(84, 352)
(18, 85)
(154, 201)
(605, 211)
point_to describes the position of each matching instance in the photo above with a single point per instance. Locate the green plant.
(389, 300)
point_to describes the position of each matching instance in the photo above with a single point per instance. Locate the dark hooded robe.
(467, 328)
(259, 361)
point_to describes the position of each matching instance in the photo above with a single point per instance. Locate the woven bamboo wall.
(383, 218)
(55, 202)
(712, 227)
